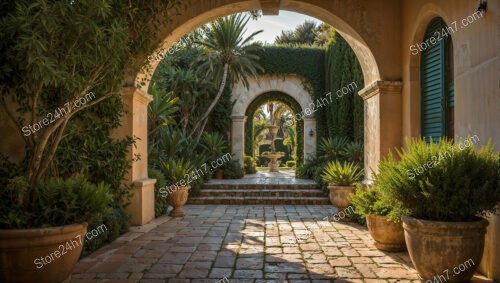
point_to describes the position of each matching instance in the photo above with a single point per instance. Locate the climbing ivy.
(274, 96)
(345, 117)
(305, 61)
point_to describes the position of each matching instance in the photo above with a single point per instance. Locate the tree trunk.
(200, 124)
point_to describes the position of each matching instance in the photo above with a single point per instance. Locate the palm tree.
(227, 52)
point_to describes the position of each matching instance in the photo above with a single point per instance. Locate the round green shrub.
(443, 181)
(233, 170)
(250, 165)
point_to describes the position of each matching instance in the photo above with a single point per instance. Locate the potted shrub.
(446, 187)
(383, 217)
(341, 179)
(42, 237)
(179, 175)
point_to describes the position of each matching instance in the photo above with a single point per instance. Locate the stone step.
(260, 200)
(260, 186)
(261, 193)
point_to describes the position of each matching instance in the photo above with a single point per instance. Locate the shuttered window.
(437, 83)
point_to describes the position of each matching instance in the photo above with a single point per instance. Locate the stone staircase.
(244, 194)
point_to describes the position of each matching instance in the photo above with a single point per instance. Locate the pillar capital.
(135, 94)
(378, 87)
(309, 118)
(241, 119)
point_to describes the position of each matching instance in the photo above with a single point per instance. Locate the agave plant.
(342, 174)
(177, 171)
(214, 144)
(333, 148)
(354, 152)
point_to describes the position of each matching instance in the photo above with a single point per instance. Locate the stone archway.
(372, 29)
(290, 85)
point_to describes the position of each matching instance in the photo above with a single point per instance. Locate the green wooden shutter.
(433, 84)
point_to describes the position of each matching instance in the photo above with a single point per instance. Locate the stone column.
(309, 141)
(238, 137)
(383, 122)
(134, 124)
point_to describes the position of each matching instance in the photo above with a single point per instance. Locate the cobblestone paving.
(220, 243)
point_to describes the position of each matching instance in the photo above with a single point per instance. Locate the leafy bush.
(233, 170)
(290, 164)
(309, 169)
(354, 152)
(373, 201)
(333, 149)
(116, 221)
(177, 172)
(342, 174)
(56, 202)
(161, 205)
(443, 181)
(214, 144)
(250, 165)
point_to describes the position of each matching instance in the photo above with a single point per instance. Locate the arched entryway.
(371, 29)
(275, 96)
(288, 89)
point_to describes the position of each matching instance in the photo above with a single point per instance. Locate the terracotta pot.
(339, 196)
(219, 174)
(273, 130)
(45, 255)
(177, 199)
(389, 236)
(449, 251)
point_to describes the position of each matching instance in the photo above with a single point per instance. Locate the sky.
(273, 25)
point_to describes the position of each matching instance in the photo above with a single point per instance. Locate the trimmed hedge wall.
(345, 117)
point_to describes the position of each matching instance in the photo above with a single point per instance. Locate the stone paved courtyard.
(221, 243)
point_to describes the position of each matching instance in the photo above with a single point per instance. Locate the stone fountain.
(273, 155)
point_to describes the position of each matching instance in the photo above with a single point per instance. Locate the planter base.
(435, 247)
(22, 251)
(177, 212)
(177, 199)
(388, 236)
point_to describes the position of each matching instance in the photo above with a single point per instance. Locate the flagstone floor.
(248, 243)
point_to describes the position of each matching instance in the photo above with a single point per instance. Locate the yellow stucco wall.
(477, 81)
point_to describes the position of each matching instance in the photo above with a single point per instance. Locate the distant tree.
(304, 34)
(227, 53)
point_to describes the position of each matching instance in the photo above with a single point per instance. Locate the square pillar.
(135, 124)
(309, 141)
(238, 137)
(383, 122)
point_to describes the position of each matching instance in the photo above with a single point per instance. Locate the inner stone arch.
(287, 85)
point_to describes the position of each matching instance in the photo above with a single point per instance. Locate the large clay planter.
(219, 174)
(442, 250)
(339, 196)
(45, 255)
(177, 199)
(389, 236)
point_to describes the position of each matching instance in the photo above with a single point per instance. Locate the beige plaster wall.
(477, 82)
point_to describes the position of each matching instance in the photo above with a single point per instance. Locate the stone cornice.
(378, 87)
(137, 95)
